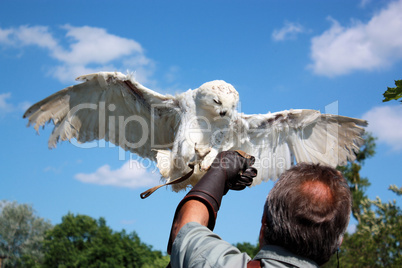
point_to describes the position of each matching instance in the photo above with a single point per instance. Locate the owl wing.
(277, 140)
(113, 107)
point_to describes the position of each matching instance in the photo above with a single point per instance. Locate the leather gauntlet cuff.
(208, 191)
(207, 201)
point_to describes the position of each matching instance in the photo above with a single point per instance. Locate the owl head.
(217, 98)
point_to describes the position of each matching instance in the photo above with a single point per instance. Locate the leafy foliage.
(351, 172)
(393, 93)
(78, 241)
(377, 239)
(395, 189)
(21, 235)
(81, 241)
(249, 248)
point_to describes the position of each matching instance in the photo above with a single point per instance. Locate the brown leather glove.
(230, 170)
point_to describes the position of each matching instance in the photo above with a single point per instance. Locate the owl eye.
(217, 101)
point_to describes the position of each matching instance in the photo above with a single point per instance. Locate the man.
(304, 219)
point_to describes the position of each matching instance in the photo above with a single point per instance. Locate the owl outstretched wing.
(110, 106)
(280, 139)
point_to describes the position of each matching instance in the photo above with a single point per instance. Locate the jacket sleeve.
(197, 246)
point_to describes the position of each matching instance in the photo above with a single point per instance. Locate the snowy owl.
(191, 128)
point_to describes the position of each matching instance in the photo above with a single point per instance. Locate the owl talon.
(201, 152)
(208, 159)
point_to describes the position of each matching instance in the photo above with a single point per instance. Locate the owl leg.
(201, 151)
(199, 154)
(208, 159)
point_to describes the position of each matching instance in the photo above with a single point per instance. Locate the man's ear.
(340, 241)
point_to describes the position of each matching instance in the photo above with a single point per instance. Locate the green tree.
(81, 241)
(160, 262)
(351, 172)
(377, 239)
(249, 248)
(358, 186)
(393, 93)
(21, 235)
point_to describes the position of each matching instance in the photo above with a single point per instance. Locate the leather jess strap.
(183, 178)
(178, 180)
(254, 264)
(244, 154)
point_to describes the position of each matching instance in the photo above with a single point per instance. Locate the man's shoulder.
(196, 246)
(271, 254)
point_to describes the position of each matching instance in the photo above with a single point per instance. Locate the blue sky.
(277, 54)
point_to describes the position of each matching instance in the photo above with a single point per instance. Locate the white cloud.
(56, 170)
(131, 175)
(7, 107)
(68, 72)
(88, 49)
(4, 36)
(172, 74)
(127, 222)
(364, 3)
(288, 31)
(35, 35)
(95, 45)
(386, 123)
(376, 44)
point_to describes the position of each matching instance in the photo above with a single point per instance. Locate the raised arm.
(230, 170)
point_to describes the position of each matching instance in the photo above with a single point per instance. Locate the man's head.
(307, 212)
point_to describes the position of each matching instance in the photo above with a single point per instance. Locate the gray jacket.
(196, 246)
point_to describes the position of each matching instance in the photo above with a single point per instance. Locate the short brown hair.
(308, 211)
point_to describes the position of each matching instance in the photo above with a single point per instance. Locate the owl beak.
(222, 113)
